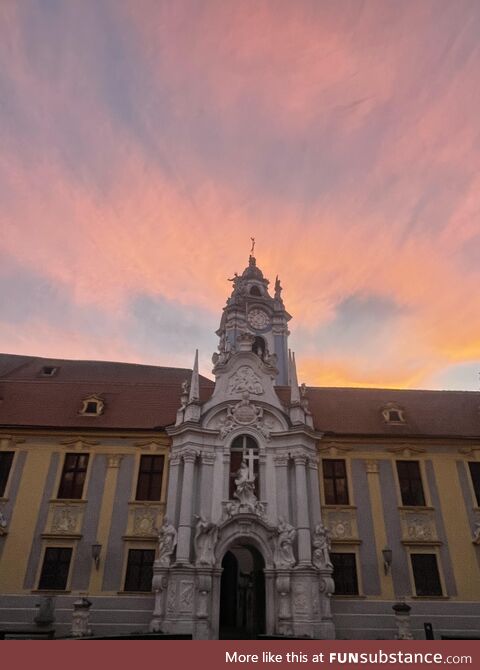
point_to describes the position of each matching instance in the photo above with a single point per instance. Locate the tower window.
(258, 347)
(255, 291)
(335, 482)
(410, 480)
(243, 449)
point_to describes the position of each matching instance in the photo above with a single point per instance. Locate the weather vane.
(253, 246)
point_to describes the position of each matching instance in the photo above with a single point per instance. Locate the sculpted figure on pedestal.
(322, 545)
(286, 533)
(206, 534)
(167, 540)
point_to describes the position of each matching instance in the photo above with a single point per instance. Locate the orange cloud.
(379, 119)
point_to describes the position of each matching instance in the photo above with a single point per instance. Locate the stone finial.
(294, 390)
(194, 394)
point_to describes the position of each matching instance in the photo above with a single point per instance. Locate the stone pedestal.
(402, 619)
(81, 618)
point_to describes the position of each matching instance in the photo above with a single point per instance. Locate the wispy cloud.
(143, 143)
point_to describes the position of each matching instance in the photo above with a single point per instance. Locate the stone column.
(315, 505)
(185, 521)
(303, 521)
(173, 477)
(208, 460)
(281, 465)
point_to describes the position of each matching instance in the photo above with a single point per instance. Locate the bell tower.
(252, 311)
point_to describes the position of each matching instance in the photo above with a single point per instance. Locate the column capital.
(281, 460)
(371, 466)
(208, 458)
(114, 460)
(189, 455)
(299, 457)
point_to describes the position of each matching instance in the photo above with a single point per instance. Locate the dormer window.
(92, 406)
(48, 371)
(393, 414)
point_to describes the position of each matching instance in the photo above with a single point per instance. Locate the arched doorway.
(242, 594)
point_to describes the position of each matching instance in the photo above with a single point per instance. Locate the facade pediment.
(245, 414)
(244, 373)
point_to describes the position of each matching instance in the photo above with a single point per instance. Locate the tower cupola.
(252, 314)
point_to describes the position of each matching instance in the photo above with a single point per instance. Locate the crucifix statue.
(253, 246)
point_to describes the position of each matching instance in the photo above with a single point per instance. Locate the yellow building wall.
(40, 448)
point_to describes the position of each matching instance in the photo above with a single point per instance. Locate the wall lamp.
(387, 559)
(96, 551)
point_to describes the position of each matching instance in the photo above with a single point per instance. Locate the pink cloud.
(307, 75)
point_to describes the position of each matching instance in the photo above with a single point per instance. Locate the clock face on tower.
(258, 319)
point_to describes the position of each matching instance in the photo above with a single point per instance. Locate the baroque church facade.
(138, 498)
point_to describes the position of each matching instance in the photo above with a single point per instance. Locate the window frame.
(63, 472)
(335, 501)
(356, 576)
(140, 473)
(256, 463)
(129, 550)
(428, 572)
(421, 479)
(7, 477)
(475, 484)
(56, 547)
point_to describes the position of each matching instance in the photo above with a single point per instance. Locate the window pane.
(425, 574)
(410, 480)
(56, 564)
(6, 459)
(335, 482)
(150, 475)
(73, 476)
(475, 474)
(344, 573)
(139, 570)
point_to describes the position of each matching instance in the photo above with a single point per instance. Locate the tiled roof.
(136, 396)
(359, 411)
(143, 397)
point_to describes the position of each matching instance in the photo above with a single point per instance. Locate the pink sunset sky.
(144, 143)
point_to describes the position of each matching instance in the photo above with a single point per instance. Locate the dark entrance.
(242, 594)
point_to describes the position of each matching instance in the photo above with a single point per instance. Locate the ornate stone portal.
(252, 516)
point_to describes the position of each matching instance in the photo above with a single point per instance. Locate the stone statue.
(286, 533)
(322, 545)
(184, 394)
(278, 289)
(206, 534)
(167, 540)
(245, 484)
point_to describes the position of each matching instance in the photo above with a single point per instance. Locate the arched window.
(255, 291)
(244, 448)
(259, 346)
